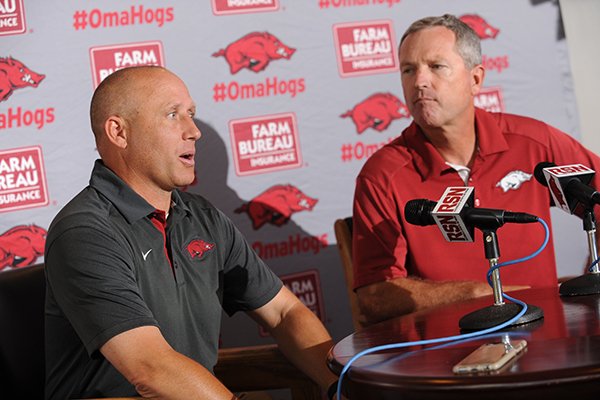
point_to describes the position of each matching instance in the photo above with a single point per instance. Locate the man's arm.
(383, 300)
(299, 333)
(148, 362)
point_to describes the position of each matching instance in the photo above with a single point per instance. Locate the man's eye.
(172, 115)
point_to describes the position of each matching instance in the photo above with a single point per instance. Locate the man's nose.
(422, 78)
(192, 131)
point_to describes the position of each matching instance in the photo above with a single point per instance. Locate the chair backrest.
(22, 293)
(343, 234)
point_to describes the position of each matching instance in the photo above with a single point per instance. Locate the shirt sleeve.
(248, 282)
(379, 247)
(93, 284)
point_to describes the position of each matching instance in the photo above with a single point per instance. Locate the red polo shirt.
(385, 246)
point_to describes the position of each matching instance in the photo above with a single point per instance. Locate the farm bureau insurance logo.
(12, 17)
(22, 179)
(224, 7)
(365, 48)
(108, 59)
(490, 99)
(264, 144)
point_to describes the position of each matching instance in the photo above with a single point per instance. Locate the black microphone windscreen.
(418, 212)
(538, 172)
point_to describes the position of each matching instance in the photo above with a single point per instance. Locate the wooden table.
(562, 360)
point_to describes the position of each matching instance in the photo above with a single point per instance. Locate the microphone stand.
(588, 283)
(500, 311)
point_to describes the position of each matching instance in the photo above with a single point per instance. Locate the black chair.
(22, 369)
(22, 294)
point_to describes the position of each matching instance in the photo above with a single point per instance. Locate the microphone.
(568, 185)
(456, 217)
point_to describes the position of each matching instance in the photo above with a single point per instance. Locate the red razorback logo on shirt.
(21, 245)
(15, 75)
(377, 111)
(198, 247)
(276, 205)
(254, 52)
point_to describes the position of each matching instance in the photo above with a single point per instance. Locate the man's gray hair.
(468, 44)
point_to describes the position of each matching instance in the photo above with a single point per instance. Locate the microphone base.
(496, 314)
(581, 286)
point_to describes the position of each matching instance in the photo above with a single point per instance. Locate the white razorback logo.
(513, 180)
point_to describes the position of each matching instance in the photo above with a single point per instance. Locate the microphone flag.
(558, 179)
(447, 213)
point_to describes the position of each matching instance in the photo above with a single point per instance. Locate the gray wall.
(581, 20)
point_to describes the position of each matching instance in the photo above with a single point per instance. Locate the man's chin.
(186, 183)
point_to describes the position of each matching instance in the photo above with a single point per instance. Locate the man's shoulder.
(87, 210)
(87, 206)
(522, 126)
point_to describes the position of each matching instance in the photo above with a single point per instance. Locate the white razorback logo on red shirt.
(513, 180)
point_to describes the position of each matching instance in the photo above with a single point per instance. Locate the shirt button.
(477, 202)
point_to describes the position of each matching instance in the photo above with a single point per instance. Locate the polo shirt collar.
(429, 162)
(126, 200)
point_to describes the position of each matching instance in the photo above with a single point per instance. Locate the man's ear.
(115, 128)
(477, 75)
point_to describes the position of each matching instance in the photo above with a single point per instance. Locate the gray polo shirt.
(108, 271)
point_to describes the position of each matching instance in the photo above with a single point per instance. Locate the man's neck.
(456, 145)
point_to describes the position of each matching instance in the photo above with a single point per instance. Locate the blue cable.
(461, 337)
(527, 258)
(593, 264)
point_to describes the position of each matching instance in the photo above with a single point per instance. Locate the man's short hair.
(468, 43)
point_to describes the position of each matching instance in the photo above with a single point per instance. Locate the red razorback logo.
(377, 112)
(276, 205)
(198, 247)
(21, 245)
(557, 193)
(480, 26)
(15, 75)
(254, 51)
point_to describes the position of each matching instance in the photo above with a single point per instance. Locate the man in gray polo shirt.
(137, 271)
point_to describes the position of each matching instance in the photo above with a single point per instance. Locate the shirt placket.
(159, 220)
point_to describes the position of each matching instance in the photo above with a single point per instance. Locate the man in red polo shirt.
(399, 267)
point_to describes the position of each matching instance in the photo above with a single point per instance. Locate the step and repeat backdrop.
(293, 96)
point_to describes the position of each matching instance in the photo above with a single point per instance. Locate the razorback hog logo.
(557, 193)
(15, 75)
(377, 112)
(480, 26)
(198, 247)
(276, 205)
(513, 180)
(254, 51)
(21, 245)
